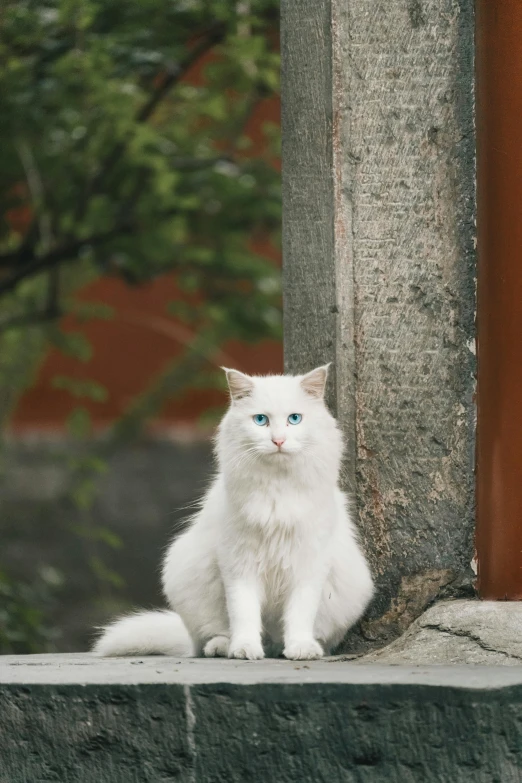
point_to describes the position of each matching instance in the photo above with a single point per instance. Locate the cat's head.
(279, 417)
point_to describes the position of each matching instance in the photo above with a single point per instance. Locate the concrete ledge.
(73, 718)
(457, 632)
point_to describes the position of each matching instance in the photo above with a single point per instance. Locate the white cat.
(271, 561)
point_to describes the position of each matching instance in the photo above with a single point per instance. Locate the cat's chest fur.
(278, 503)
(279, 507)
(275, 529)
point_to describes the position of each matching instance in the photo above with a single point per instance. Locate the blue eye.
(294, 418)
(260, 419)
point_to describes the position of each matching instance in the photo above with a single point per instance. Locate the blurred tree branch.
(171, 76)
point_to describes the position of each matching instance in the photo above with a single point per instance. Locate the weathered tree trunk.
(378, 234)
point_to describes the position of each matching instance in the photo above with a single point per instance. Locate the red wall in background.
(139, 341)
(128, 352)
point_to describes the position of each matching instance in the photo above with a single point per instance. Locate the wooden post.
(378, 240)
(499, 192)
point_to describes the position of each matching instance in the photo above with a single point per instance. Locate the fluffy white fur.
(271, 562)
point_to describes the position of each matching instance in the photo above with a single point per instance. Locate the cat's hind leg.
(347, 591)
(192, 583)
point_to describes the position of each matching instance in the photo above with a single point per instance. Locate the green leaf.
(105, 574)
(99, 534)
(81, 388)
(87, 311)
(79, 423)
(73, 344)
(83, 494)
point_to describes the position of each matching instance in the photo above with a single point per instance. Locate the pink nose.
(278, 441)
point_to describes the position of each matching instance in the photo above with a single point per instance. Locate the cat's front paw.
(217, 647)
(249, 650)
(303, 650)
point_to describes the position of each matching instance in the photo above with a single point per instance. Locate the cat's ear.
(239, 384)
(314, 382)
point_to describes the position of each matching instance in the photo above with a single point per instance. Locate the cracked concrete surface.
(459, 632)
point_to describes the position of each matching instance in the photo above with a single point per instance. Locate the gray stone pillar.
(378, 238)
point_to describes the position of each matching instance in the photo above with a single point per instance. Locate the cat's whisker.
(317, 461)
(247, 455)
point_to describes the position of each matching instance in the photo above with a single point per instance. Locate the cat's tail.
(145, 633)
